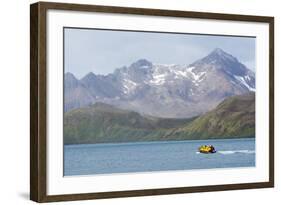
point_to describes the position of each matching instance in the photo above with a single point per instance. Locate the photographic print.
(129, 102)
(141, 101)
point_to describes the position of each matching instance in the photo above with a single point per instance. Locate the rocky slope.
(169, 91)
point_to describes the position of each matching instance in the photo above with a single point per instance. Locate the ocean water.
(110, 158)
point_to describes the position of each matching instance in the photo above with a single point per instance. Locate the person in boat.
(207, 149)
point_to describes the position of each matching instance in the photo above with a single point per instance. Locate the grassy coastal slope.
(100, 123)
(232, 118)
(104, 123)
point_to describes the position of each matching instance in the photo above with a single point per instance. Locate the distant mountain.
(75, 94)
(169, 91)
(100, 123)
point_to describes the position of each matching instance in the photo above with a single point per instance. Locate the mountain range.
(162, 90)
(234, 117)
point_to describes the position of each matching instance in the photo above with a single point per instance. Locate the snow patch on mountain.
(158, 79)
(196, 77)
(180, 74)
(163, 72)
(129, 86)
(243, 82)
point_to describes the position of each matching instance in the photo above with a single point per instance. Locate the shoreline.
(158, 142)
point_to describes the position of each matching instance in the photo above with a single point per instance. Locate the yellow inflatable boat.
(207, 149)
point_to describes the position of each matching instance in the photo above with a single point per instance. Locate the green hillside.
(105, 123)
(233, 118)
(101, 123)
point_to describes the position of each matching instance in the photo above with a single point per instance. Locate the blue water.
(156, 156)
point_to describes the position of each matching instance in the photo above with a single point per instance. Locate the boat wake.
(226, 152)
(237, 151)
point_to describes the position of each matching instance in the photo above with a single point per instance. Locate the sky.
(102, 51)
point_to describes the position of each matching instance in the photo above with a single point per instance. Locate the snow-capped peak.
(141, 63)
(220, 55)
